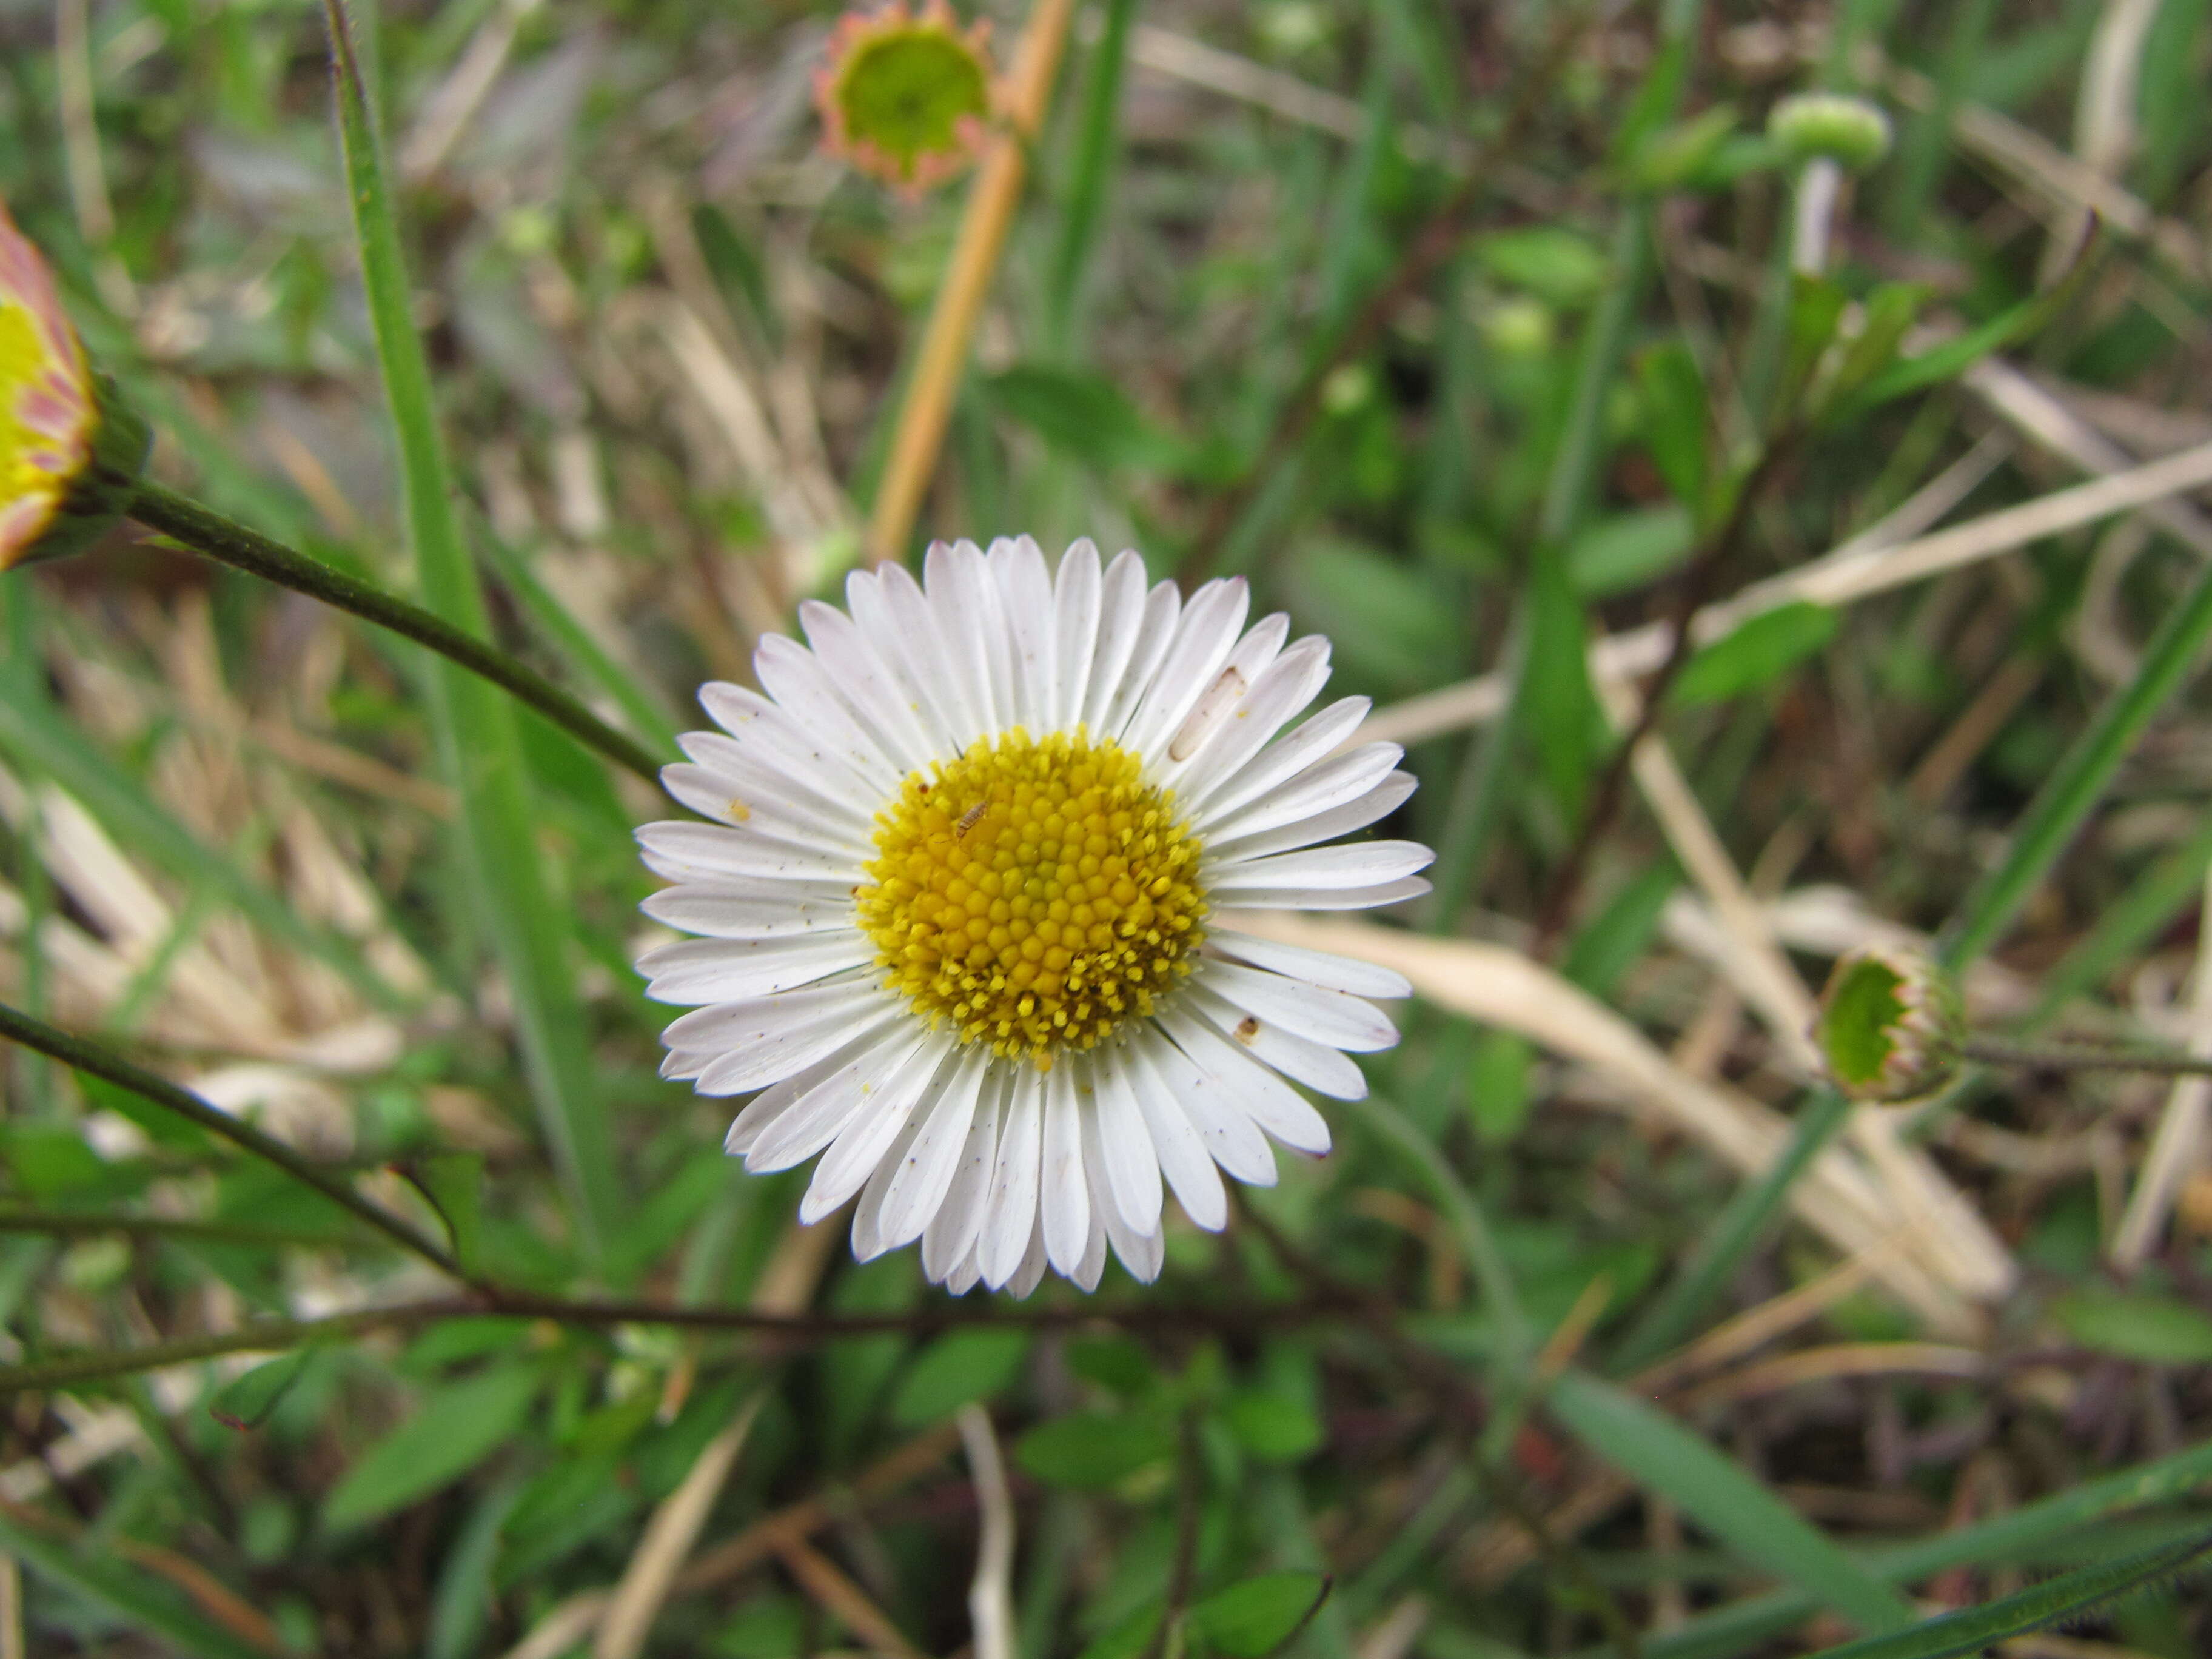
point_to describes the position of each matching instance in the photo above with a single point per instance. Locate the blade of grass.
(1748, 1217)
(1742, 1625)
(127, 1593)
(2048, 825)
(1646, 1444)
(1084, 209)
(477, 741)
(2151, 902)
(2071, 1596)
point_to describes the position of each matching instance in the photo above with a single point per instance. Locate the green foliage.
(2138, 1326)
(1256, 1617)
(455, 1427)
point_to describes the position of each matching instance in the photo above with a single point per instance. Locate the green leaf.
(2136, 1325)
(1562, 713)
(246, 1401)
(1629, 550)
(479, 747)
(1381, 617)
(1714, 1490)
(2060, 1600)
(1676, 420)
(956, 1369)
(1079, 413)
(1272, 1428)
(1952, 358)
(1259, 1615)
(1816, 309)
(453, 1429)
(453, 1183)
(1618, 936)
(130, 1593)
(1757, 653)
(1498, 1084)
(1127, 1637)
(1093, 1448)
(1551, 262)
(1889, 312)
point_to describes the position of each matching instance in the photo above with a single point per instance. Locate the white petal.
(1324, 869)
(772, 1103)
(694, 972)
(1012, 1216)
(805, 690)
(963, 617)
(1130, 1160)
(1325, 1071)
(816, 752)
(732, 910)
(896, 619)
(1219, 705)
(1343, 778)
(1183, 1158)
(1309, 742)
(1087, 1271)
(1204, 638)
(772, 794)
(873, 686)
(1384, 798)
(950, 1236)
(1324, 968)
(1256, 1092)
(770, 1037)
(1273, 698)
(867, 1238)
(1140, 1251)
(711, 793)
(1075, 629)
(1156, 635)
(1029, 1273)
(887, 1073)
(1064, 1196)
(861, 1144)
(1026, 593)
(918, 1189)
(962, 1279)
(1123, 605)
(1231, 1139)
(1322, 898)
(715, 850)
(1321, 1015)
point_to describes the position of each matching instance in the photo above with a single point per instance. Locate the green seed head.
(1891, 1024)
(1849, 131)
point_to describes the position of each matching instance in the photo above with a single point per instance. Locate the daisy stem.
(920, 435)
(201, 530)
(96, 1060)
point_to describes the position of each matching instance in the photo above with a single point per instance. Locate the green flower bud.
(1849, 131)
(1891, 1024)
(906, 95)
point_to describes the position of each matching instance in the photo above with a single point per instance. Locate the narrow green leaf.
(1273, 1428)
(1716, 1492)
(462, 1605)
(956, 1369)
(1757, 653)
(1629, 550)
(1952, 358)
(2070, 1596)
(478, 746)
(1562, 717)
(246, 1401)
(129, 1593)
(1254, 1618)
(2136, 1325)
(1676, 419)
(1082, 210)
(453, 1183)
(453, 1429)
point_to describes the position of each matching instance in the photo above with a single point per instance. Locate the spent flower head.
(974, 916)
(1891, 1024)
(905, 94)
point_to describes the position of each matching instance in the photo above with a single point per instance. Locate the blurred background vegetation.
(1469, 334)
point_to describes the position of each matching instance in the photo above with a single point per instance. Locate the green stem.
(210, 535)
(2071, 792)
(97, 1062)
(81, 1224)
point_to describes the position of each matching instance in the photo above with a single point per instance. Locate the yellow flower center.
(22, 360)
(1034, 894)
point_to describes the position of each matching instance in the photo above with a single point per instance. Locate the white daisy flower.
(967, 917)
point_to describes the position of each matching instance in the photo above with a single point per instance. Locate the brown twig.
(1430, 248)
(919, 433)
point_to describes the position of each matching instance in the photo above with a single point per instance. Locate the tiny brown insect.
(969, 819)
(1247, 1029)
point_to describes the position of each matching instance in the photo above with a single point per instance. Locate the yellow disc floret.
(1033, 894)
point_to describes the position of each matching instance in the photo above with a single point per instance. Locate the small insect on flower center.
(1034, 894)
